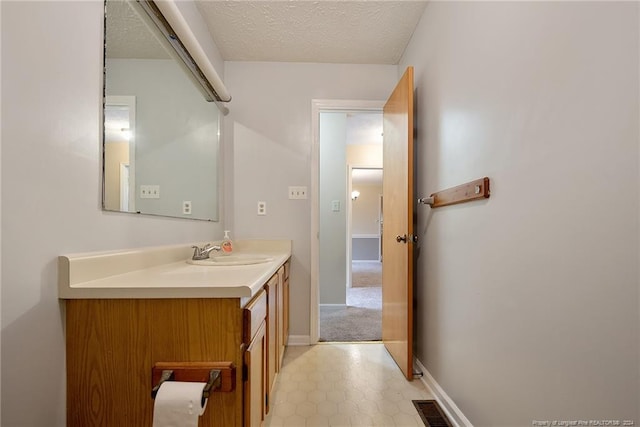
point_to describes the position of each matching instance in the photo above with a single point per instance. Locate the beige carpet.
(361, 319)
(366, 274)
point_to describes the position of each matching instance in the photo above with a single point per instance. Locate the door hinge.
(413, 238)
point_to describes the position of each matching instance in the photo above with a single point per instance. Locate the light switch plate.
(297, 192)
(335, 205)
(149, 191)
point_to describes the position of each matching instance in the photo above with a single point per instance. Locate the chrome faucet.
(203, 252)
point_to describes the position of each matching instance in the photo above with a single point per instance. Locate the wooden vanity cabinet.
(112, 345)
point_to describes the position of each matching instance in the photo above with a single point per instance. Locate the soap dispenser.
(227, 245)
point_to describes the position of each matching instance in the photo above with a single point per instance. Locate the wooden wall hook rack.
(474, 190)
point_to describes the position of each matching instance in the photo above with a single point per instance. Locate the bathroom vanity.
(127, 311)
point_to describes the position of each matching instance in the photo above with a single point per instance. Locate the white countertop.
(163, 272)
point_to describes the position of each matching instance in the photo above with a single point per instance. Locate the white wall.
(528, 302)
(332, 280)
(272, 105)
(51, 103)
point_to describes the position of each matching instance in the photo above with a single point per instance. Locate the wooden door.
(397, 236)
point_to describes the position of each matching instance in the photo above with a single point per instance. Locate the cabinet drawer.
(253, 315)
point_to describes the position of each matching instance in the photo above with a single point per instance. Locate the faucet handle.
(196, 251)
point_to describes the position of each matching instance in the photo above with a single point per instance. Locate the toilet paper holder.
(218, 376)
(212, 383)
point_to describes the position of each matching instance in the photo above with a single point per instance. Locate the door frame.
(128, 101)
(318, 106)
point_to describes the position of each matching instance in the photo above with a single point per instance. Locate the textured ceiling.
(352, 32)
(128, 36)
(355, 32)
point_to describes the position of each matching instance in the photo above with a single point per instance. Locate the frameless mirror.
(161, 137)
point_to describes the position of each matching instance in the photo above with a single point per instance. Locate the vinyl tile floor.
(343, 384)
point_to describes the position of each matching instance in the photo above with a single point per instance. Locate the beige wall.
(365, 155)
(365, 210)
(527, 303)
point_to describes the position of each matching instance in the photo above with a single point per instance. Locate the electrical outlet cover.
(262, 208)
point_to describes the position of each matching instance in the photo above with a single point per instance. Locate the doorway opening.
(119, 153)
(348, 218)
(364, 254)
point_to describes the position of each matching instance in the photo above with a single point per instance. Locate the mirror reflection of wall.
(161, 136)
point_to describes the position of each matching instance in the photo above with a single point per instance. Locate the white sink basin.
(223, 260)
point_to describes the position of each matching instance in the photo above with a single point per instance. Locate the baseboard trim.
(446, 403)
(297, 340)
(333, 305)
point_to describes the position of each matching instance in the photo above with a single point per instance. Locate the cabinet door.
(285, 313)
(272, 336)
(280, 320)
(254, 384)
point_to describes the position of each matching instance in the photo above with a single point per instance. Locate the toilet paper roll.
(177, 404)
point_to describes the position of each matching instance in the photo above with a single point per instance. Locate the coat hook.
(426, 200)
(474, 190)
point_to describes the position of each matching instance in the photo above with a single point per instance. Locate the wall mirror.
(161, 136)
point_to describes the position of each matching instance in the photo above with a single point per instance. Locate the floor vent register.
(431, 413)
